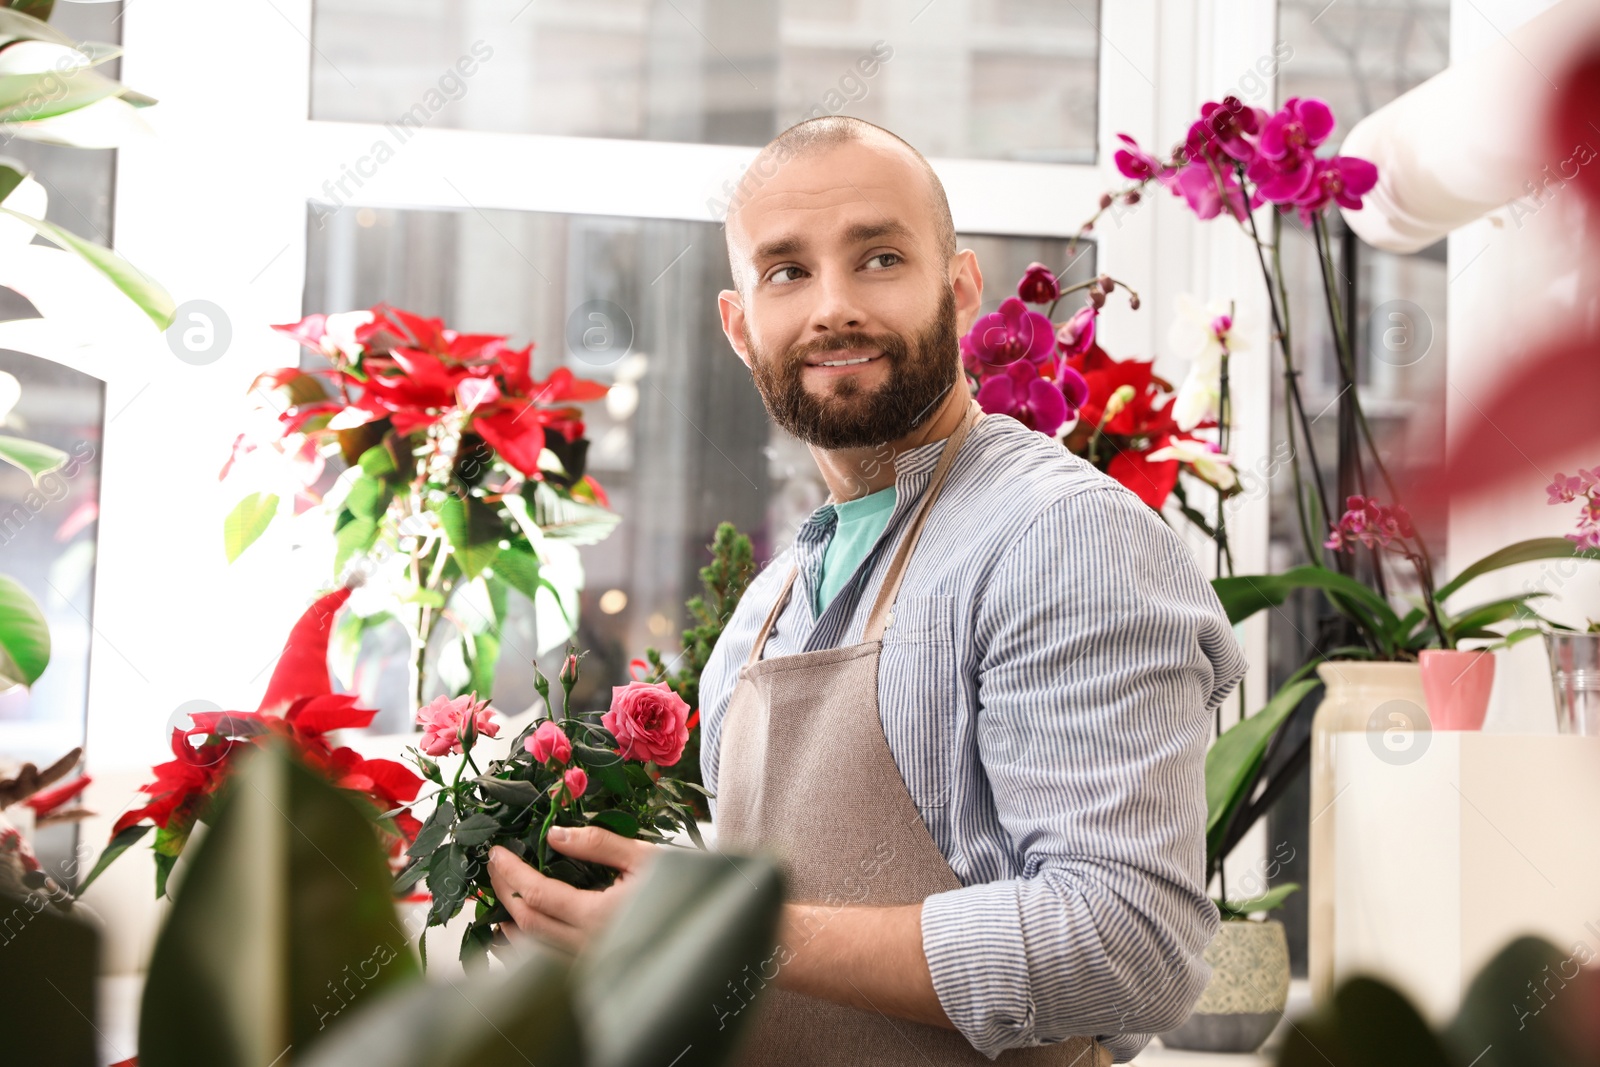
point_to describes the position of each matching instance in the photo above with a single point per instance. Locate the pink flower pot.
(1456, 685)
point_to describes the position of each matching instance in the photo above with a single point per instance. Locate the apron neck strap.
(877, 622)
(891, 579)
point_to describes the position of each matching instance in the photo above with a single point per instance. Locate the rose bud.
(577, 781)
(549, 742)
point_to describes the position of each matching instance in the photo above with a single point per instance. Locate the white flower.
(1200, 333)
(1215, 467)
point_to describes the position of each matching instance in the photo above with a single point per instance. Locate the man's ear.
(966, 280)
(730, 305)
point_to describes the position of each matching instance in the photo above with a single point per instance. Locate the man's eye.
(894, 256)
(777, 275)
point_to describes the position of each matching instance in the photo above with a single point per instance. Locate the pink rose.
(443, 719)
(548, 741)
(649, 722)
(577, 781)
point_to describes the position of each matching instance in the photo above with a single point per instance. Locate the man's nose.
(839, 306)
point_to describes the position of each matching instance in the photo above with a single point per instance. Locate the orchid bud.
(1106, 283)
(1097, 296)
(1105, 201)
(1132, 197)
(1133, 301)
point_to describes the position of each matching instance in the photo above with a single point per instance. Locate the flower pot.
(1246, 995)
(1575, 674)
(1457, 685)
(1381, 699)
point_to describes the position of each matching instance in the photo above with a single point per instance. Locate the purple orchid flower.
(1012, 333)
(1033, 401)
(1342, 180)
(1299, 127)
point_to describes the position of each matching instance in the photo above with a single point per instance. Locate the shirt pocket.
(919, 696)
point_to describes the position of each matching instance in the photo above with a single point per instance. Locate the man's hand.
(559, 914)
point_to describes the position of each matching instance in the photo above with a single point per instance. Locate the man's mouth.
(850, 358)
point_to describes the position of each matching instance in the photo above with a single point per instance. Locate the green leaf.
(698, 923)
(368, 498)
(1522, 552)
(514, 1018)
(485, 658)
(153, 300)
(473, 530)
(435, 830)
(1233, 755)
(48, 984)
(1272, 898)
(119, 843)
(378, 461)
(1245, 595)
(10, 178)
(515, 795)
(24, 636)
(31, 456)
(355, 537)
(286, 896)
(448, 880)
(562, 518)
(519, 569)
(30, 97)
(476, 829)
(16, 24)
(1523, 1027)
(618, 822)
(246, 523)
(1368, 1024)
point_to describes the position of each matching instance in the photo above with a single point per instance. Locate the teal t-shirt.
(860, 522)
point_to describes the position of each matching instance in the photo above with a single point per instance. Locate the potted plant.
(1249, 958)
(1575, 655)
(460, 480)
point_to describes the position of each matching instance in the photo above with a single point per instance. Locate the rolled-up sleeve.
(1101, 653)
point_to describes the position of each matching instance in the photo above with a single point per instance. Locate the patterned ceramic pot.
(1247, 993)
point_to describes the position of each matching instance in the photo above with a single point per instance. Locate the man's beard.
(848, 416)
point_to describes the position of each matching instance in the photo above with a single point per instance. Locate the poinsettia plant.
(299, 707)
(1116, 413)
(460, 479)
(621, 769)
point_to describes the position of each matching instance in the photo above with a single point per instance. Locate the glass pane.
(993, 79)
(683, 440)
(47, 534)
(1357, 59)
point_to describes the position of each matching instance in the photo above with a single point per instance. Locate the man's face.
(840, 265)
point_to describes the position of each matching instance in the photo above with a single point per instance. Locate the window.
(988, 79)
(1357, 59)
(681, 443)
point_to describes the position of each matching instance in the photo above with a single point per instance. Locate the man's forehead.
(850, 192)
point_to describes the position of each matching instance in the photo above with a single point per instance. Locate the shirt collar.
(909, 466)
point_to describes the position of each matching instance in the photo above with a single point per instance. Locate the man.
(968, 707)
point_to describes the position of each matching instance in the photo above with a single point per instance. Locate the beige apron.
(808, 778)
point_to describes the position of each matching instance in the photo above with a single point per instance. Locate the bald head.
(818, 136)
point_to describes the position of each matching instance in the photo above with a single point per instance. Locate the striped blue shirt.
(1046, 689)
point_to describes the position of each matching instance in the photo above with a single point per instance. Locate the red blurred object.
(43, 803)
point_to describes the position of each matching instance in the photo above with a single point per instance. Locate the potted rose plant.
(617, 770)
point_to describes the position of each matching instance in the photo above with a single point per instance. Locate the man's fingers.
(598, 845)
(519, 886)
